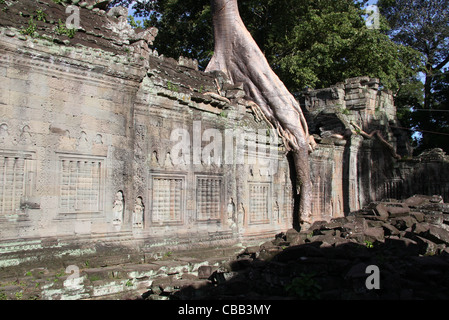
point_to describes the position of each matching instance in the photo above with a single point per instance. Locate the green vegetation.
(309, 44)
(41, 15)
(423, 101)
(61, 29)
(129, 283)
(134, 23)
(31, 29)
(369, 244)
(304, 287)
(172, 87)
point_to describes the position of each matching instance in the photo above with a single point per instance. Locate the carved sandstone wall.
(111, 153)
(88, 126)
(350, 170)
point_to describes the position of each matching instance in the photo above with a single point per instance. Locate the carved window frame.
(99, 181)
(198, 214)
(266, 217)
(18, 207)
(154, 216)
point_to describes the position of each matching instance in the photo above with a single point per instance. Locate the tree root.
(379, 137)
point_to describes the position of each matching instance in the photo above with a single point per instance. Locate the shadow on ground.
(308, 271)
(407, 243)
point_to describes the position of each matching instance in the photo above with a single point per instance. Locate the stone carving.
(81, 185)
(154, 158)
(12, 183)
(20, 136)
(4, 134)
(258, 202)
(241, 215)
(189, 63)
(138, 213)
(167, 199)
(208, 198)
(232, 221)
(148, 36)
(168, 161)
(276, 212)
(83, 142)
(118, 208)
(98, 139)
(25, 135)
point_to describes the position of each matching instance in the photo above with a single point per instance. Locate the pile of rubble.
(408, 241)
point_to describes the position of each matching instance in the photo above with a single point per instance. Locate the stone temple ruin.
(90, 122)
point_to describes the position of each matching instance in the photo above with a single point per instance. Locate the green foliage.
(129, 283)
(423, 26)
(61, 29)
(304, 287)
(19, 295)
(31, 29)
(134, 23)
(172, 87)
(369, 244)
(41, 15)
(308, 43)
(331, 43)
(433, 123)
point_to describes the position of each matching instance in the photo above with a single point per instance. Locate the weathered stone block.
(419, 216)
(204, 272)
(390, 230)
(402, 223)
(398, 211)
(437, 235)
(374, 234)
(382, 211)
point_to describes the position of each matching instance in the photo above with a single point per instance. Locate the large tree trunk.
(239, 57)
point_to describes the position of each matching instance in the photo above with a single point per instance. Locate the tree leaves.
(308, 43)
(423, 25)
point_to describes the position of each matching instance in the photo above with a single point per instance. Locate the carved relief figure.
(138, 212)
(98, 139)
(231, 214)
(83, 142)
(241, 215)
(4, 134)
(154, 158)
(25, 135)
(276, 212)
(118, 208)
(168, 161)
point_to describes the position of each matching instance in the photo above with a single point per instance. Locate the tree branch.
(442, 64)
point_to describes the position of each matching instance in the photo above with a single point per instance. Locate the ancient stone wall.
(110, 153)
(350, 169)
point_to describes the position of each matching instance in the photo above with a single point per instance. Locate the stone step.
(152, 280)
